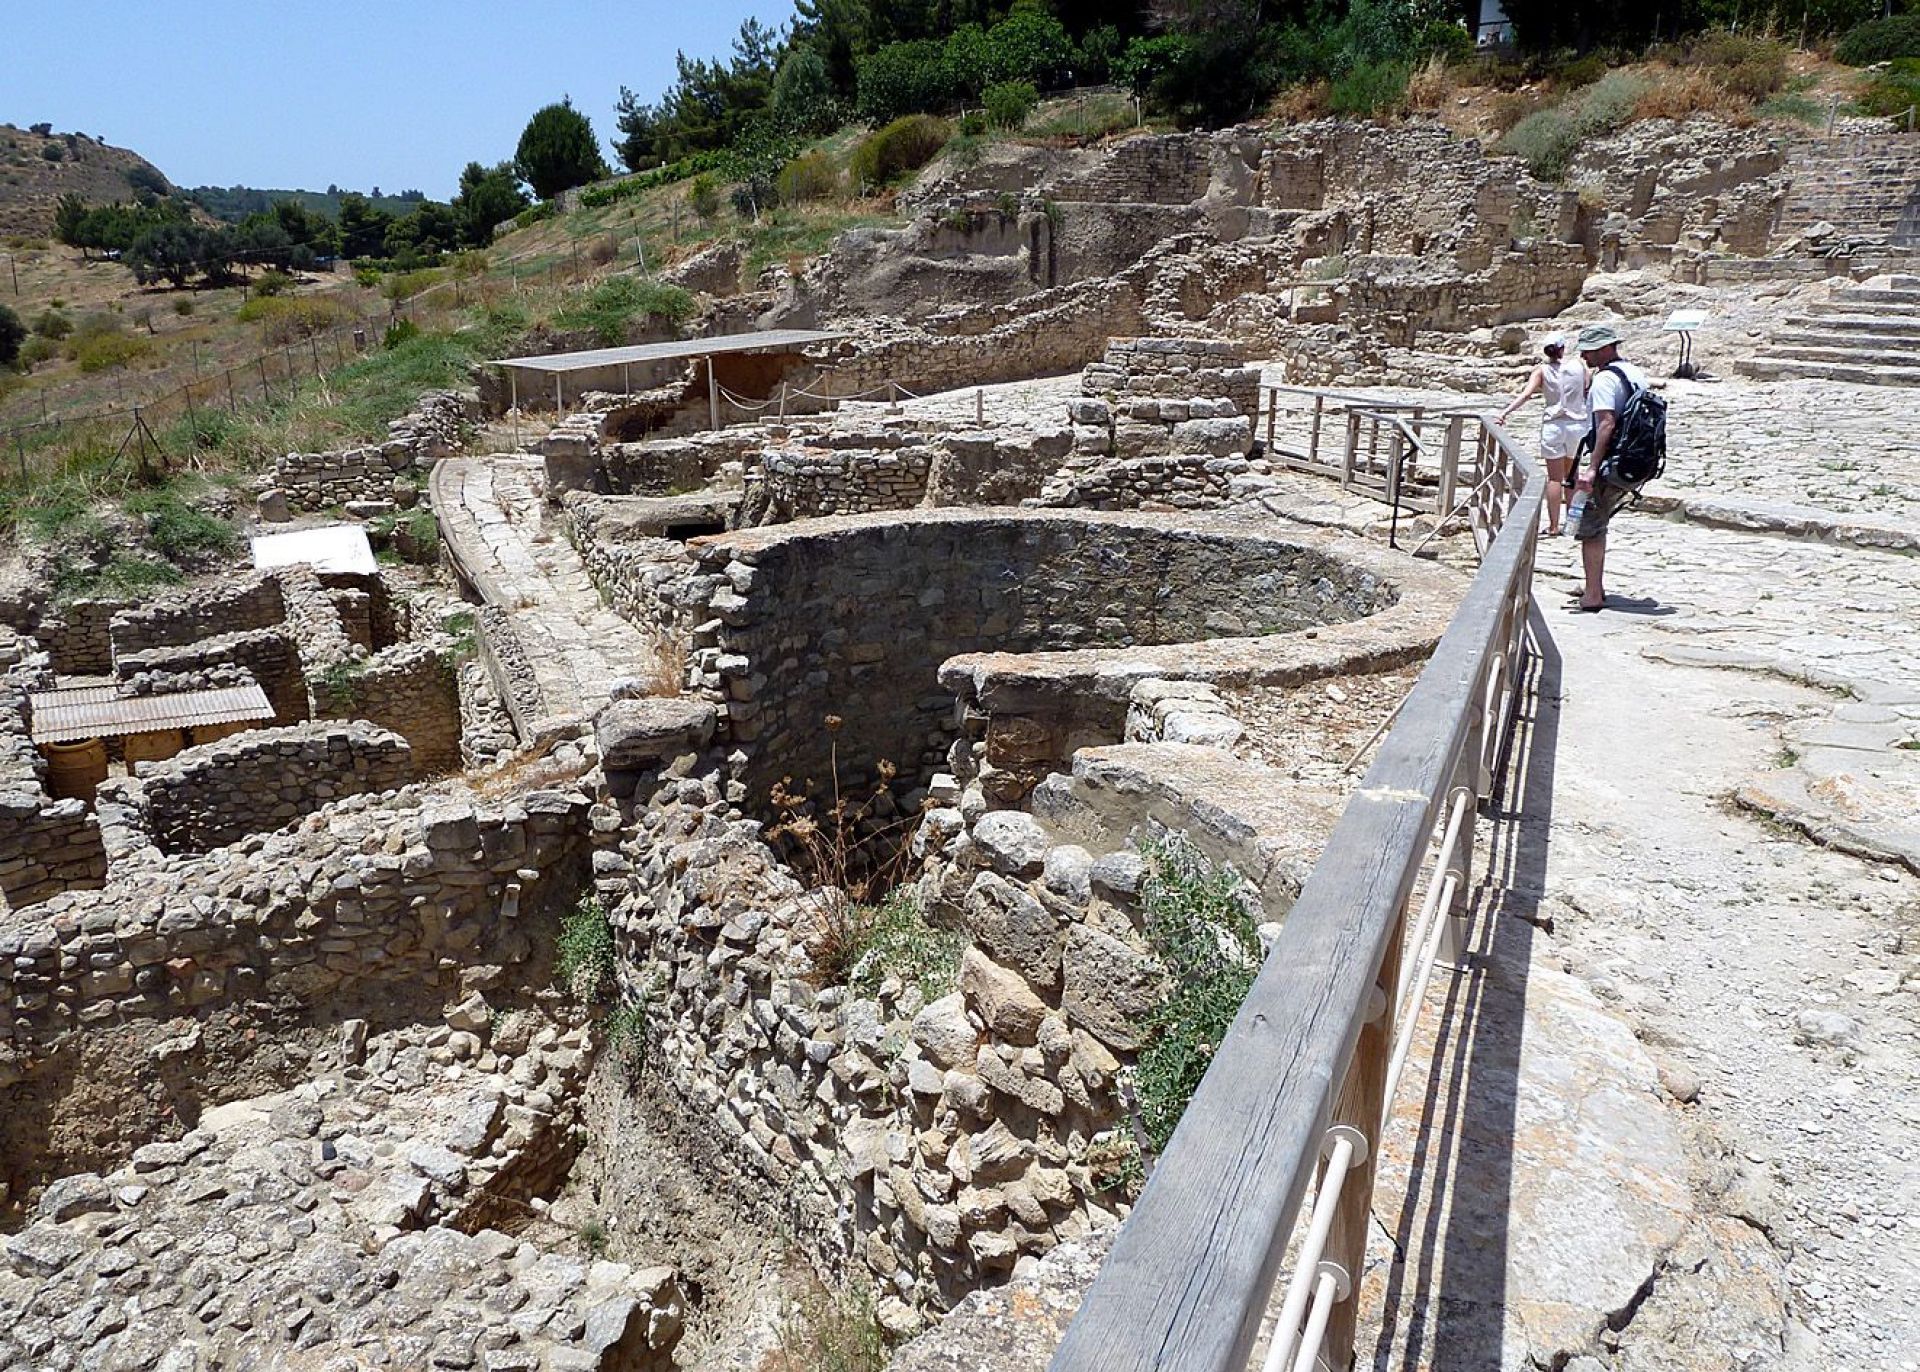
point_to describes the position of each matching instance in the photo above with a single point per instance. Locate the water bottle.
(1575, 509)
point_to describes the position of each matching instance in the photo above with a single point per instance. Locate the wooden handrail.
(1193, 1268)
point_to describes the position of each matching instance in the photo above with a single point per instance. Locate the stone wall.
(46, 846)
(875, 605)
(183, 617)
(800, 483)
(396, 893)
(414, 442)
(209, 796)
(78, 636)
(410, 689)
(269, 654)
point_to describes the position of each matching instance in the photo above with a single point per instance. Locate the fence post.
(20, 450)
(233, 405)
(979, 405)
(1360, 1107)
(1273, 411)
(1450, 465)
(1353, 444)
(266, 389)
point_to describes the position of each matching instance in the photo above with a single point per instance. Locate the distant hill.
(38, 166)
(234, 203)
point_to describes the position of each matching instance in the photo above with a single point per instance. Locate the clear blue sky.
(401, 94)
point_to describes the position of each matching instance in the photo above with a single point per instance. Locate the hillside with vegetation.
(38, 166)
(334, 322)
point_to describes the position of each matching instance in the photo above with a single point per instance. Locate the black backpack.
(1639, 451)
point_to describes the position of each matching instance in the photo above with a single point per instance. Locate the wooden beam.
(1193, 1268)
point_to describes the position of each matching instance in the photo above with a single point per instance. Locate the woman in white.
(1564, 380)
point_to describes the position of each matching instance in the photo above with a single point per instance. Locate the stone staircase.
(1864, 334)
(1866, 186)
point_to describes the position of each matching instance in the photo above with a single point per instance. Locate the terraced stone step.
(1790, 369)
(1837, 350)
(1853, 323)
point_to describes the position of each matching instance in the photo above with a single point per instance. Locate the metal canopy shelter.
(74, 712)
(592, 359)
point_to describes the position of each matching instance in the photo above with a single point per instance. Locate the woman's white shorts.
(1561, 437)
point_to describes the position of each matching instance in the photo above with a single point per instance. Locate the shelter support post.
(713, 396)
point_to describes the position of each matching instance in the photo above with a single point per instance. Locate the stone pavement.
(498, 529)
(1767, 1185)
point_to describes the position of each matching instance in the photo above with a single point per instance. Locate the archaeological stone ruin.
(723, 852)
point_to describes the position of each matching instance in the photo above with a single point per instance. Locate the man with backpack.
(1626, 448)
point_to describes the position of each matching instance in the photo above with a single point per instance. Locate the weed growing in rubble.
(1114, 1163)
(626, 1030)
(894, 939)
(584, 961)
(1200, 927)
(828, 1332)
(593, 1238)
(854, 852)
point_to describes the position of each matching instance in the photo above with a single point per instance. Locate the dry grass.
(1431, 87)
(1298, 104)
(1682, 92)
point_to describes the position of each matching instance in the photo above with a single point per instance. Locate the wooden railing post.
(1273, 410)
(1360, 1106)
(1450, 465)
(1313, 437)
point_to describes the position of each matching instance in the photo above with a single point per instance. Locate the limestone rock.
(1008, 1006)
(1015, 929)
(1109, 987)
(75, 1195)
(634, 734)
(943, 1032)
(1012, 841)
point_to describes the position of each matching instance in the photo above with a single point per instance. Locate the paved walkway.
(1676, 993)
(495, 520)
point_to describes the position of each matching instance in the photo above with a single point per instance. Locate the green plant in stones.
(1114, 1163)
(584, 959)
(339, 683)
(593, 1238)
(626, 1035)
(895, 939)
(1201, 928)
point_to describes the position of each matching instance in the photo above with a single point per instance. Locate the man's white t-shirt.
(1607, 392)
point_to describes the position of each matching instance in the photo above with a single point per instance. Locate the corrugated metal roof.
(770, 340)
(75, 712)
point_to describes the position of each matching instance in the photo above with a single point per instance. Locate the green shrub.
(399, 334)
(104, 352)
(1546, 140)
(1199, 926)
(704, 195)
(183, 305)
(286, 318)
(406, 285)
(901, 79)
(973, 124)
(365, 276)
(610, 308)
(36, 350)
(905, 145)
(895, 939)
(177, 530)
(533, 214)
(271, 283)
(1894, 90)
(585, 962)
(1797, 108)
(12, 334)
(1371, 88)
(52, 324)
(1880, 40)
(1009, 103)
(809, 177)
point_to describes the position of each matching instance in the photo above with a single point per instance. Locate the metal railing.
(1303, 1082)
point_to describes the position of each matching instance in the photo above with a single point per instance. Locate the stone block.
(635, 734)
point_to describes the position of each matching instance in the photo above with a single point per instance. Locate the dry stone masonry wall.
(217, 793)
(382, 471)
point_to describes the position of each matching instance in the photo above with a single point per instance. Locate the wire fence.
(272, 376)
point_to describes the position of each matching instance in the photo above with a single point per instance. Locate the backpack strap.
(1625, 381)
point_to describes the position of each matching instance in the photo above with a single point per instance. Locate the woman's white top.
(1564, 384)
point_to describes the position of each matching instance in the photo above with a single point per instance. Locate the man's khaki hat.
(1597, 336)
